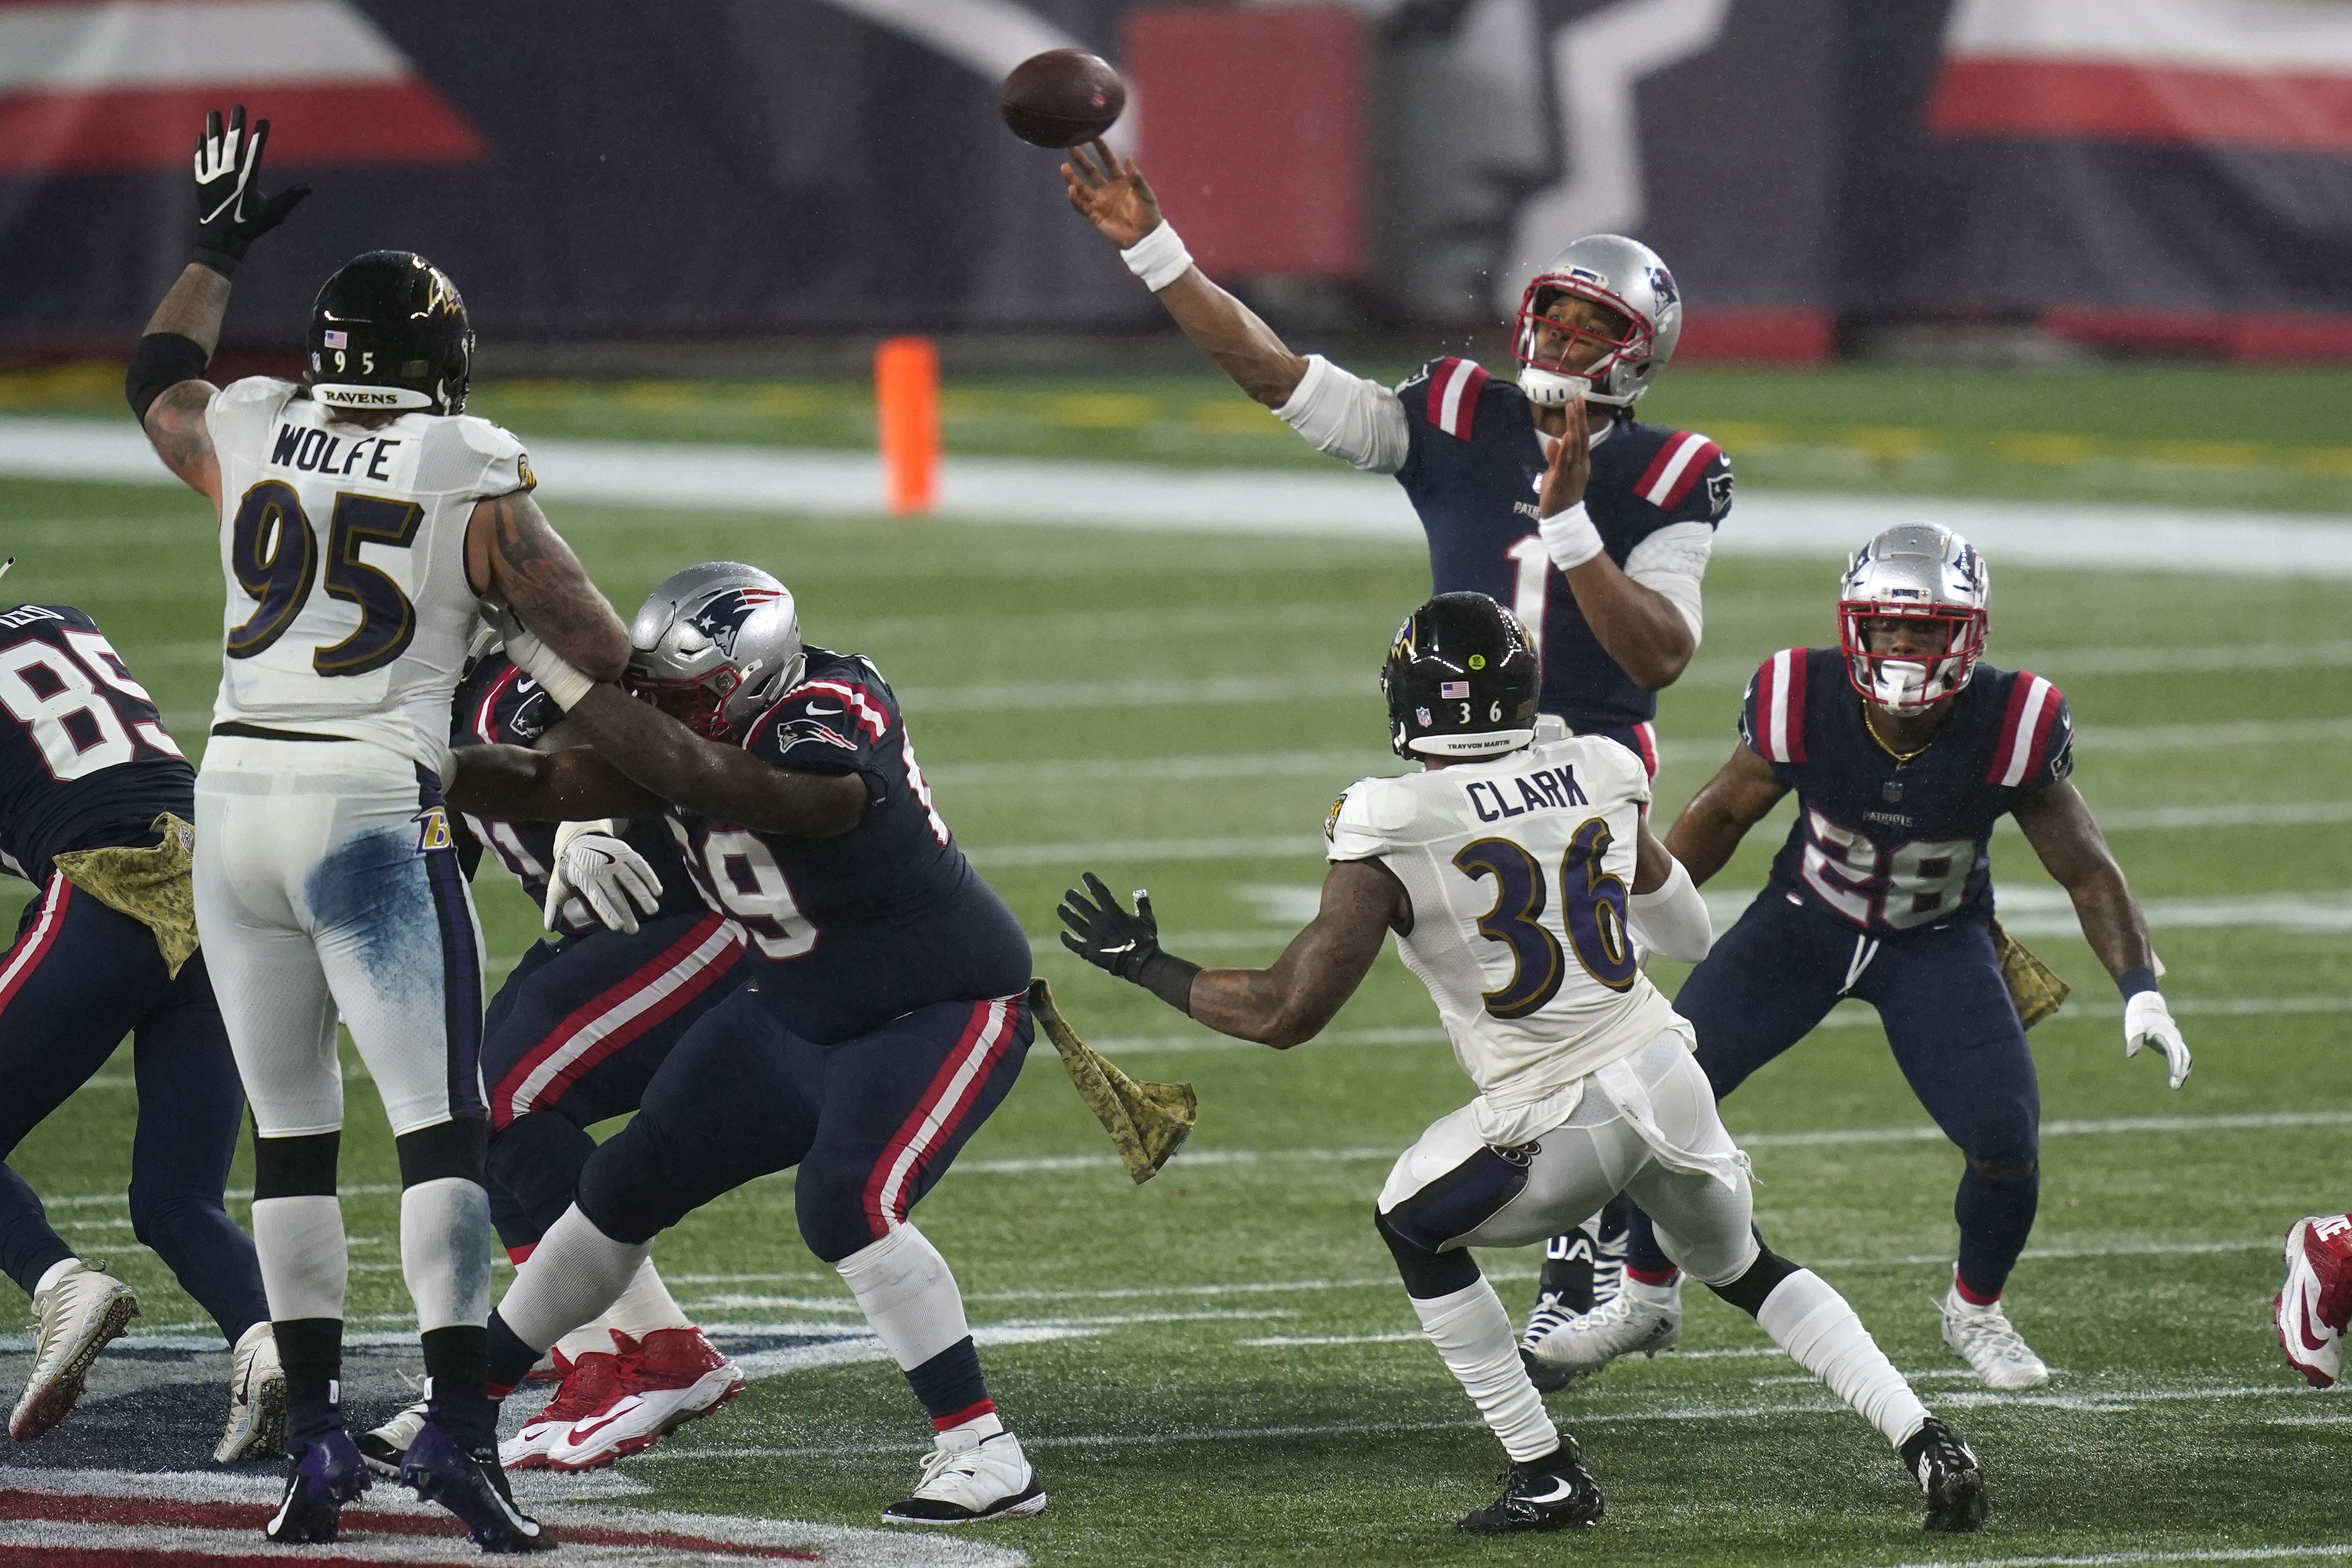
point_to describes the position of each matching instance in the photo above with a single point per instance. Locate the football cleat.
(589, 1384)
(968, 1480)
(73, 1320)
(2313, 1306)
(1985, 1339)
(1947, 1470)
(469, 1484)
(387, 1445)
(666, 1379)
(256, 1400)
(323, 1475)
(1555, 1493)
(1642, 1320)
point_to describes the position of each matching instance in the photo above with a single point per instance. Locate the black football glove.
(1105, 935)
(231, 210)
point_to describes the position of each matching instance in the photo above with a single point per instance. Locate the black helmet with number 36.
(1461, 680)
(389, 333)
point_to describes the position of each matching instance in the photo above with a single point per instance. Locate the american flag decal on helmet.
(1454, 689)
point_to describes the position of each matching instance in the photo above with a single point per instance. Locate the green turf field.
(1221, 1365)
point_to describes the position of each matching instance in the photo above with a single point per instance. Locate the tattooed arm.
(513, 553)
(174, 421)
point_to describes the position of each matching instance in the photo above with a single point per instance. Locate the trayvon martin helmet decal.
(714, 645)
(1622, 275)
(390, 333)
(1461, 680)
(1923, 573)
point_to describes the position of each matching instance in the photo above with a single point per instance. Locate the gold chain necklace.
(1900, 757)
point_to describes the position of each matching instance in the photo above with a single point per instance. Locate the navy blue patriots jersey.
(1472, 472)
(1892, 846)
(85, 762)
(853, 931)
(497, 705)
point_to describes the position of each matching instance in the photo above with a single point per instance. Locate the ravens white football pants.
(1646, 1125)
(326, 884)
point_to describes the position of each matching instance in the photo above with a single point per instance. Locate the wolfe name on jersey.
(85, 762)
(1473, 469)
(1895, 846)
(853, 931)
(497, 705)
(1519, 868)
(349, 613)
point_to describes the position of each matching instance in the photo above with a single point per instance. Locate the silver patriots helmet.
(714, 645)
(1927, 576)
(1622, 274)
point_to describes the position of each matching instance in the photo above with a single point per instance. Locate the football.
(1063, 98)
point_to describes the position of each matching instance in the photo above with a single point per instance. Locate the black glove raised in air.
(1105, 935)
(231, 210)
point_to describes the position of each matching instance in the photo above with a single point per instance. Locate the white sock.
(1812, 1322)
(904, 1287)
(1473, 1333)
(571, 1276)
(305, 1264)
(53, 1273)
(971, 1434)
(1664, 1297)
(589, 1339)
(445, 1252)
(645, 1306)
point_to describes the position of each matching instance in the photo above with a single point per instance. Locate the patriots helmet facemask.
(1931, 577)
(714, 645)
(1627, 279)
(389, 333)
(1461, 680)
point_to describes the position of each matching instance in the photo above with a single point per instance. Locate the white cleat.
(256, 1400)
(968, 1480)
(666, 1379)
(1640, 1320)
(1985, 1339)
(385, 1447)
(74, 1319)
(2314, 1303)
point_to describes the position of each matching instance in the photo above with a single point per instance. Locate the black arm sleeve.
(161, 361)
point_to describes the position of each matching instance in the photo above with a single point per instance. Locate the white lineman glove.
(2147, 1021)
(597, 864)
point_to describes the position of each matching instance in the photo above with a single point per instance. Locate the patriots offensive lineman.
(362, 518)
(1516, 873)
(885, 1018)
(95, 804)
(1547, 496)
(571, 1039)
(1904, 750)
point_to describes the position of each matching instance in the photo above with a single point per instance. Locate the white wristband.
(1159, 258)
(564, 684)
(1570, 538)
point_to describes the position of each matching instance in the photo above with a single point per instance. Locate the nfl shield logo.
(335, 339)
(1420, 716)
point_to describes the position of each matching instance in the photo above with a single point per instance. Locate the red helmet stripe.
(1453, 389)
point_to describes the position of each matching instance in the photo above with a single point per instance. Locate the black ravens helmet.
(389, 332)
(1461, 680)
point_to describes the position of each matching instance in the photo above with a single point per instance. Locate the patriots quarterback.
(1517, 872)
(364, 520)
(571, 1039)
(1904, 750)
(885, 1017)
(1546, 495)
(95, 806)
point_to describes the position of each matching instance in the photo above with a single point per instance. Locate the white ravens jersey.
(1518, 868)
(345, 550)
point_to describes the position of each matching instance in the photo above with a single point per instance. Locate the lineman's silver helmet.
(1915, 572)
(714, 645)
(1627, 277)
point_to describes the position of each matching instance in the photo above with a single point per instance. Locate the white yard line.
(2187, 1554)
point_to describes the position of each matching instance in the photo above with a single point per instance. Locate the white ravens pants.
(327, 884)
(1646, 1124)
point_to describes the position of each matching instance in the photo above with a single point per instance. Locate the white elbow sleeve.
(1672, 920)
(1357, 421)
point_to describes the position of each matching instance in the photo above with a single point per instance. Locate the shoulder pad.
(1364, 822)
(505, 466)
(1450, 401)
(1686, 465)
(1778, 697)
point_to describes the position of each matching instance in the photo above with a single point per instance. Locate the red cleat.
(589, 1384)
(668, 1378)
(2313, 1306)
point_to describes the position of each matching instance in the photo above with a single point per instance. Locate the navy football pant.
(1949, 1017)
(79, 978)
(872, 1123)
(573, 1038)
